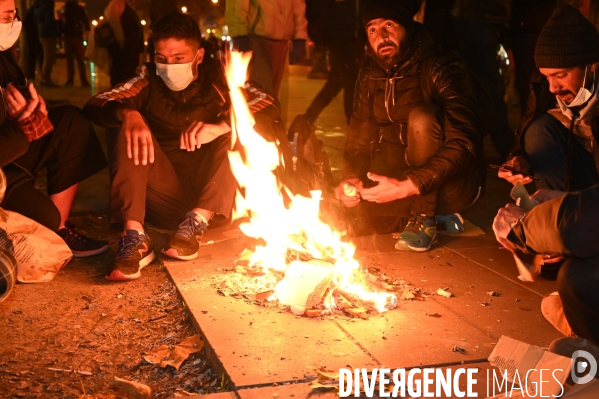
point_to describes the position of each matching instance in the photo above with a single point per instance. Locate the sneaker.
(49, 83)
(85, 84)
(69, 83)
(452, 223)
(419, 234)
(135, 252)
(185, 244)
(80, 245)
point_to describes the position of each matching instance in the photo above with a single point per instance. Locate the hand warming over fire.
(506, 219)
(388, 189)
(138, 136)
(348, 192)
(198, 133)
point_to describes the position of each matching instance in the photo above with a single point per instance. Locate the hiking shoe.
(452, 223)
(185, 244)
(80, 245)
(135, 252)
(419, 234)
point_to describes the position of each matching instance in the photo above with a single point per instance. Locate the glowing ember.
(296, 239)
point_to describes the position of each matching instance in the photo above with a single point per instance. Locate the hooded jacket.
(272, 19)
(384, 99)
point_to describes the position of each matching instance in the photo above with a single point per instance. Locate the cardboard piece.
(518, 358)
(300, 283)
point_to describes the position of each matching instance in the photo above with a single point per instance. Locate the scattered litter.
(433, 315)
(80, 372)
(485, 304)
(458, 349)
(492, 293)
(175, 356)
(444, 293)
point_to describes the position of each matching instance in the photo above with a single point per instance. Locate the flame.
(296, 227)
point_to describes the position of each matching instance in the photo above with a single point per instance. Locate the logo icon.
(588, 365)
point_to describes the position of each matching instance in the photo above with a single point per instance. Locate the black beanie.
(400, 11)
(567, 40)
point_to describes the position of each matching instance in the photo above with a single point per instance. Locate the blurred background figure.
(75, 30)
(438, 21)
(126, 53)
(333, 24)
(48, 29)
(478, 25)
(34, 53)
(266, 27)
(527, 19)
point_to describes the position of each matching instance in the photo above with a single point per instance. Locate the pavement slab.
(258, 346)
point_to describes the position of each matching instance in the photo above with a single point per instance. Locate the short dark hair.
(176, 25)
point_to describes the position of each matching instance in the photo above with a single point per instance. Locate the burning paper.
(294, 235)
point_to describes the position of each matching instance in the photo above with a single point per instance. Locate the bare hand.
(17, 106)
(518, 163)
(502, 225)
(198, 133)
(544, 195)
(349, 201)
(138, 137)
(388, 189)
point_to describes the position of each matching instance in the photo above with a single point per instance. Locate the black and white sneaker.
(80, 245)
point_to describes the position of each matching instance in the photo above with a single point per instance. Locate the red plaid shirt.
(36, 125)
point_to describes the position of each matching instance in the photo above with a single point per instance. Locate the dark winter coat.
(75, 19)
(541, 100)
(168, 113)
(330, 20)
(384, 99)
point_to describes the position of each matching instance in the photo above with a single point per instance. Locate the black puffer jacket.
(384, 99)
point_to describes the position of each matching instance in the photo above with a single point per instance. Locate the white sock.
(201, 218)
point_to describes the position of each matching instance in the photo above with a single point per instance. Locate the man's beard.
(388, 60)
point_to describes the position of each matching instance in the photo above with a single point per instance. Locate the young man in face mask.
(168, 141)
(557, 137)
(33, 137)
(414, 142)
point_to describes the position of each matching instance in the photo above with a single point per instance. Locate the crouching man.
(557, 139)
(414, 145)
(168, 159)
(563, 225)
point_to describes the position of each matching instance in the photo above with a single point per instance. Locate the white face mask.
(176, 76)
(584, 94)
(9, 33)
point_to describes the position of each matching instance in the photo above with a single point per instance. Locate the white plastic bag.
(39, 252)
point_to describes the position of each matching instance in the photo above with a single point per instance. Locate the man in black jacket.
(32, 138)
(168, 142)
(414, 130)
(557, 137)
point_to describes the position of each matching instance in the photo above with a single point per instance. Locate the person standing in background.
(266, 27)
(527, 19)
(126, 52)
(158, 9)
(48, 31)
(334, 24)
(478, 25)
(34, 53)
(75, 26)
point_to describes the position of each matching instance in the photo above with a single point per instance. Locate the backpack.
(103, 35)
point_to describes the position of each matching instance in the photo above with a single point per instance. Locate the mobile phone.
(22, 88)
(514, 171)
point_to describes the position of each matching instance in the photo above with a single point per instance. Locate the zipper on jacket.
(185, 102)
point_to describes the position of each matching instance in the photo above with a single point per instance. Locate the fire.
(296, 239)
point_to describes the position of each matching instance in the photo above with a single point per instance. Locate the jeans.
(49, 46)
(546, 146)
(577, 286)
(424, 137)
(268, 62)
(74, 49)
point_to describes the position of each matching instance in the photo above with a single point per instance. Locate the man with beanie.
(557, 137)
(414, 144)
